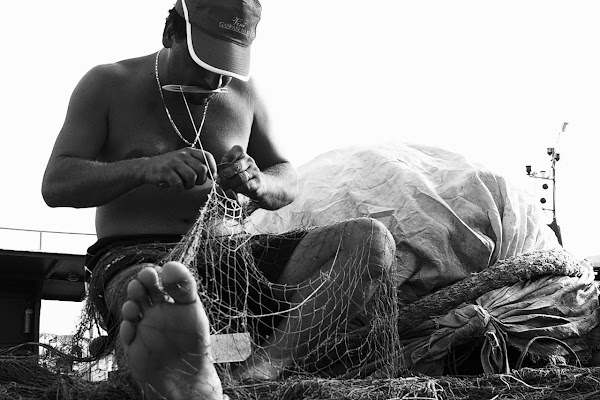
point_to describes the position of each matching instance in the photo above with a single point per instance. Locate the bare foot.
(168, 339)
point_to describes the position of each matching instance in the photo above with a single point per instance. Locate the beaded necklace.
(197, 139)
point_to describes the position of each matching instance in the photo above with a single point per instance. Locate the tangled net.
(239, 300)
(238, 297)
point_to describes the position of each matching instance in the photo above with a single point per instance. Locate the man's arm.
(262, 173)
(75, 177)
(280, 186)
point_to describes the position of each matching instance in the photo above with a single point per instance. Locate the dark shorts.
(224, 279)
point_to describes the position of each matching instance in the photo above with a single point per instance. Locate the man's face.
(183, 70)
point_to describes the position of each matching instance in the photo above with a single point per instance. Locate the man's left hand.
(237, 171)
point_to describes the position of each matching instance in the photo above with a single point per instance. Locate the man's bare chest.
(149, 129)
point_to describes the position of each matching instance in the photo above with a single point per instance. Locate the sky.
(494, 81)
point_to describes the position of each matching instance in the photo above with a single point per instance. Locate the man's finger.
(174, 182)
(235, 153)
(199, 168)
(245, 176)
(206, 158)
(187, 175)
(234, 168)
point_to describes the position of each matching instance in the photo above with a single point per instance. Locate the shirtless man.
(127, 148)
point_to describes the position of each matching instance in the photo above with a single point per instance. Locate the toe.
(137, 292)
(148, 277)
(179, 283)
(127, 332)
(131, 311)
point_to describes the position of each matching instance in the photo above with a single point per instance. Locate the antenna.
(554, 158)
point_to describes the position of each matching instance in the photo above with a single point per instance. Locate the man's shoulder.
(244, 93)
(105, 81)
(118, 72)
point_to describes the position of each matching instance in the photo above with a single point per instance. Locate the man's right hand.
(180, 169)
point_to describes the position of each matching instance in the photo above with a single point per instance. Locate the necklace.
(197, 139)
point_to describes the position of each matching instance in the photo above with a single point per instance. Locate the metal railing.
(45, 240)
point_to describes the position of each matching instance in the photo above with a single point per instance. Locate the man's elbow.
(50, 195)
(50, 186)
(54, 192)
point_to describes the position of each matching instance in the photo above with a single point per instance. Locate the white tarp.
(449, 217)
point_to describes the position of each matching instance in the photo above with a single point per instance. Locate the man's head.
(219, 33)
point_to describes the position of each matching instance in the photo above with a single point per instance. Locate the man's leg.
(332, 274)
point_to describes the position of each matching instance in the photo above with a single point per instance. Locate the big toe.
(179, 282)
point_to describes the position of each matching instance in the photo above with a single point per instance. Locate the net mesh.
(238, 297)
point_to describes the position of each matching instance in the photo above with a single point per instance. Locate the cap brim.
(219, 56)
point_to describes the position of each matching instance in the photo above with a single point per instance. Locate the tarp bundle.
(450, 218)
(549, 307)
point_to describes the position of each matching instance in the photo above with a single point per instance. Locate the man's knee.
(373, 237)
(370, 230)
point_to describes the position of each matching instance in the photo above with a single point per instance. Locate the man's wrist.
(252, 206)
(138, 167)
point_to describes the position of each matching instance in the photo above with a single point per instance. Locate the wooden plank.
(231, 347)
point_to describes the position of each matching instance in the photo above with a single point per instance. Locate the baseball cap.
(220, 32)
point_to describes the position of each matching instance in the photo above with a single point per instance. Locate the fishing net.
(245, 308)
(239, 298)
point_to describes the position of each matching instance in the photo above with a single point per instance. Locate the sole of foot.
(166, 334)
